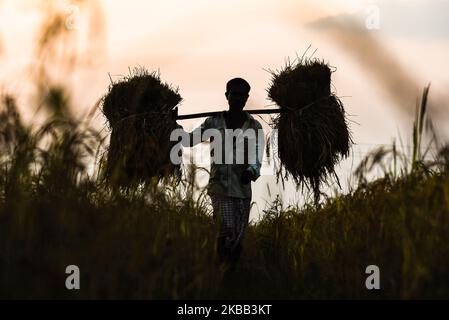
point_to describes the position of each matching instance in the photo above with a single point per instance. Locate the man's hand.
(246, 177)
(174, 113)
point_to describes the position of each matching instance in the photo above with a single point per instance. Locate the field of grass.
(157, 242)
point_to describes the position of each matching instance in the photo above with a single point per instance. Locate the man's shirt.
(225, 177)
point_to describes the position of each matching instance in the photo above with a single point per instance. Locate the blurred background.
(59, 57)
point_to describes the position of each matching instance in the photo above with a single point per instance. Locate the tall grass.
(158, 242)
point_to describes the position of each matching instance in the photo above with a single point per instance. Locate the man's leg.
(222, 251)
(236, 253)
(224, 215)
(233, 216)
(242, 208)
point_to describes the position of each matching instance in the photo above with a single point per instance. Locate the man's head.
(237, 93)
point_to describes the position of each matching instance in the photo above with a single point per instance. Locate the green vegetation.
(156, 241)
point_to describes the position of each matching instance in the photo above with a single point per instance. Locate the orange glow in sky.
(198, 45)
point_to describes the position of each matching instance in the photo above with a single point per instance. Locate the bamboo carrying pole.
(208, 114)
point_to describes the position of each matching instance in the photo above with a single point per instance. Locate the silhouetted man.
(230, 183)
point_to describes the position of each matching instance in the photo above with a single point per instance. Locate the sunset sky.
(200, 45)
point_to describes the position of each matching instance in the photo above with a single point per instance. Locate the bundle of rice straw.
(313, 135)
(138, 110)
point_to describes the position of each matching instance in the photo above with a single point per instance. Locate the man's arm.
(196, 136)
(253, 170)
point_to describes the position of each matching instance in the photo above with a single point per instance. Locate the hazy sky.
(199, 45)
